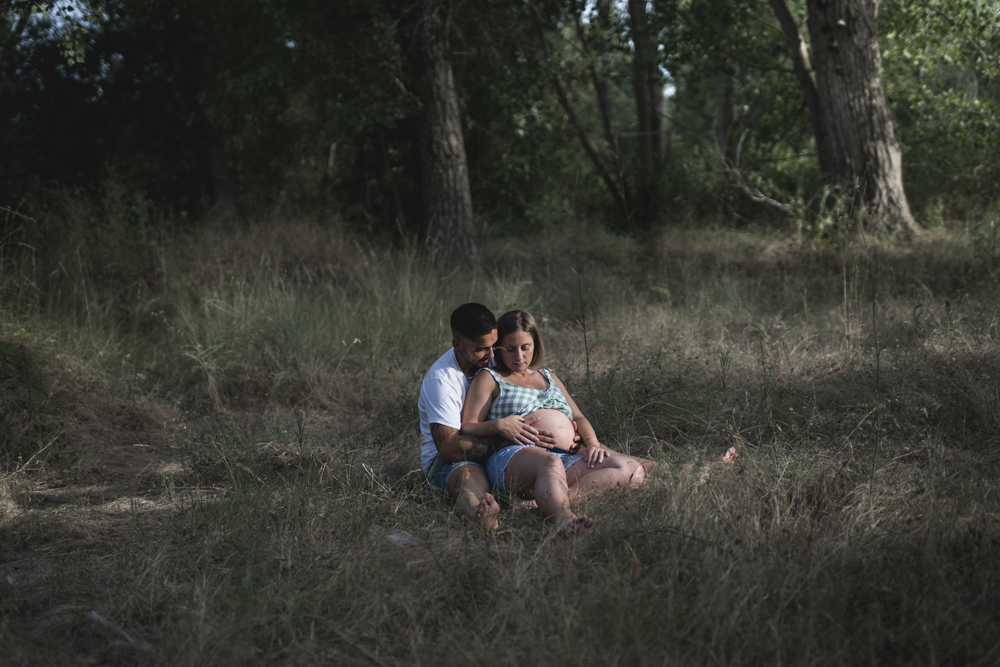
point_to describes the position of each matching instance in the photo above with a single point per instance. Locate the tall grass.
(272, 540)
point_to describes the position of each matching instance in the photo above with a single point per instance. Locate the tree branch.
(573, 119)
(751, 192)
(601, 90)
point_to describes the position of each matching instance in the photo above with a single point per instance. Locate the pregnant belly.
(556, 423)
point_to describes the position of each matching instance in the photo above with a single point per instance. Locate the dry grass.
(229, 469)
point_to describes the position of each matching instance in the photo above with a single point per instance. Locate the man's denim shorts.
(496, 467)
(438, 473)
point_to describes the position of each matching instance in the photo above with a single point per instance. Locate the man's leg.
(541, 474)
(469, 488)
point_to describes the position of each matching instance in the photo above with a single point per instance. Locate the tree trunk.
(602, 25)
(193, 90)
(444, 170)
(618, 194)
(642, 63)
(848, 68)
(657, 119)
(831, 159)
(723, 111)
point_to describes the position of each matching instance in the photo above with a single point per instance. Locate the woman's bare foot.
(487, 513)
(727, 460)
(574, 524)
(521, 505)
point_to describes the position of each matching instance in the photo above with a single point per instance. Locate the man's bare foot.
(574, 525)
(487, 513)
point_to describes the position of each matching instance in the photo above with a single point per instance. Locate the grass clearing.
(201, 466)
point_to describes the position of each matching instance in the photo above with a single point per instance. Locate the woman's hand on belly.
(518, 429)
(555, 423)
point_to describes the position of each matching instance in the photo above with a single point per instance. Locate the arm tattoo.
(481, 448)
(439, 432)
(472, 447)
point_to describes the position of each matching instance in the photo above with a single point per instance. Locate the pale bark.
(723, 112)
(444, 169)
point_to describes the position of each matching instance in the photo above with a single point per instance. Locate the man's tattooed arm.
(480, 448)
(454, 447)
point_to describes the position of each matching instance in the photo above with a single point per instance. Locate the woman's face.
(517, 349)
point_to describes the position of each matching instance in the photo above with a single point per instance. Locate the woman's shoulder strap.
(496, 376)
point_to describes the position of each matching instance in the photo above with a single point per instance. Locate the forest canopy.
(440, 119)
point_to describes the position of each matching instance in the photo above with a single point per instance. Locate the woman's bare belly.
(556, 423)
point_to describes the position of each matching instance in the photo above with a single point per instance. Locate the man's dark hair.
(472, 320)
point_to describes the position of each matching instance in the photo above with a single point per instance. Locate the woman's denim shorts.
(496, 467)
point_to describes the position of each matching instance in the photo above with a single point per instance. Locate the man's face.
(474, 353)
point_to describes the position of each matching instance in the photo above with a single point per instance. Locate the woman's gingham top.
(515, 400)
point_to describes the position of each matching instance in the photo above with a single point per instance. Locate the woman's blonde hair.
(512, 322)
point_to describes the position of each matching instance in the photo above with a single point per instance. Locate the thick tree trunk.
(444, 170)
(643, 62)
(848, 68)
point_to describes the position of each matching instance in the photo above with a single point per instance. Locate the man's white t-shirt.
(442, 395)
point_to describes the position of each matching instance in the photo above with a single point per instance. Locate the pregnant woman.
(517, 390)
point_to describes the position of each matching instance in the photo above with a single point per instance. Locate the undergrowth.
(268, 375)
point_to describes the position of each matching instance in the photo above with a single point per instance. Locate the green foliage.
(313, 108)
(941, 67)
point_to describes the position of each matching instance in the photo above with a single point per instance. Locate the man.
(455, 463)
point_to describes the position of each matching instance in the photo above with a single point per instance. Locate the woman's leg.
(536, 471)
(719, 464)
(615, 470)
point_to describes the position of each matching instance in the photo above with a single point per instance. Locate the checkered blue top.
(515, 400)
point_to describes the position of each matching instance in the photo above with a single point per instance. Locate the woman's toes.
(576, 525)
